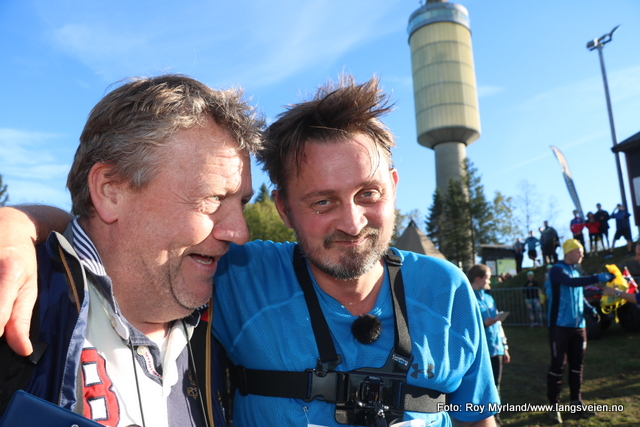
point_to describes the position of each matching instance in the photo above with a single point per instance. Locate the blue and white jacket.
(565, 295)
(63, 306)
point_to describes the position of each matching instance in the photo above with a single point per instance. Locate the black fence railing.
(513, 301)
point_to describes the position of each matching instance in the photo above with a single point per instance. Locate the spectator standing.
(576, 225)
(603, 217)
(548, 244)
(593, 227)
(480, 278)
(530, 244)
(532, 300)
(565, 318)
(518, 250)
(623, 228)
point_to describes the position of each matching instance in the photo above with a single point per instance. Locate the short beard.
(354, 262)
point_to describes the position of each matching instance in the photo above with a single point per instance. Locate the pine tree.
(263, 194)
(455, 226)
(462, 218)
(263, 220)
(435, 217)
(482, 217)
(4, 196)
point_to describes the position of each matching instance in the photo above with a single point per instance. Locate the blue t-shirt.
(262, 320)
(494, 336)
(622, 219)
(530, 243)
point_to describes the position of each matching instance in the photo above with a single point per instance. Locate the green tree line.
(263, 219)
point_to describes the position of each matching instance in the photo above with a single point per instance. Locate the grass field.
(611, 377)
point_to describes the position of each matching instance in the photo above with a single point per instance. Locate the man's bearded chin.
(353, 261)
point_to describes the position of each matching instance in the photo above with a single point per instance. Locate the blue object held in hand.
(26, 410)
(605, 277)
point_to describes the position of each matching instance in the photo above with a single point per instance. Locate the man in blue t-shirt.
(567, 335)
(330, 161)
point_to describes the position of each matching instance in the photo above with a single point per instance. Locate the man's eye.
(370, 196)
(210, 204)
(322, 206)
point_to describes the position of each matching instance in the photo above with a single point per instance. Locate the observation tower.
(444, 85)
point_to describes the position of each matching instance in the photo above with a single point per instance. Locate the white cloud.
(20, 148)
(263, 42)
(31, 168)
(314, 35)
(583, 96)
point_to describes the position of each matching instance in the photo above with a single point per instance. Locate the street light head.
(614, 28)
(598, 43)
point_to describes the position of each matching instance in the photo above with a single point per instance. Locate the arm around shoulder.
(22, 227)
(34, 221)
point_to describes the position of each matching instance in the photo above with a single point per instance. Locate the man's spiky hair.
(337, 112)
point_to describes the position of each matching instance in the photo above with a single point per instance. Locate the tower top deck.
(438, 11)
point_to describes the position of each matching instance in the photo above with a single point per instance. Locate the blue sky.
(538, 84)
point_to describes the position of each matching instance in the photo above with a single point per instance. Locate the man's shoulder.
(255, 260)
(257, 248)
(560, 267)
(413, 262)
(410, 258)
(49, 250)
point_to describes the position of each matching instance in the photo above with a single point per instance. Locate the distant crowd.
(597, 225)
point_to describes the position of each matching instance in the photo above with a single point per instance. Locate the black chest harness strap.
(363, 396)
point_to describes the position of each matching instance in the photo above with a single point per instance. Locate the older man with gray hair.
(158, 185)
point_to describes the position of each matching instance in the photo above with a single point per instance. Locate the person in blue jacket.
(623, 227)
(567, 334)
(480, 278)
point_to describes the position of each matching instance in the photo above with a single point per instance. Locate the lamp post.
(599, 44)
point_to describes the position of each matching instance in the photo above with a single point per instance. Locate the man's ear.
(395, 177)
(281, 206)
(106, 192)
